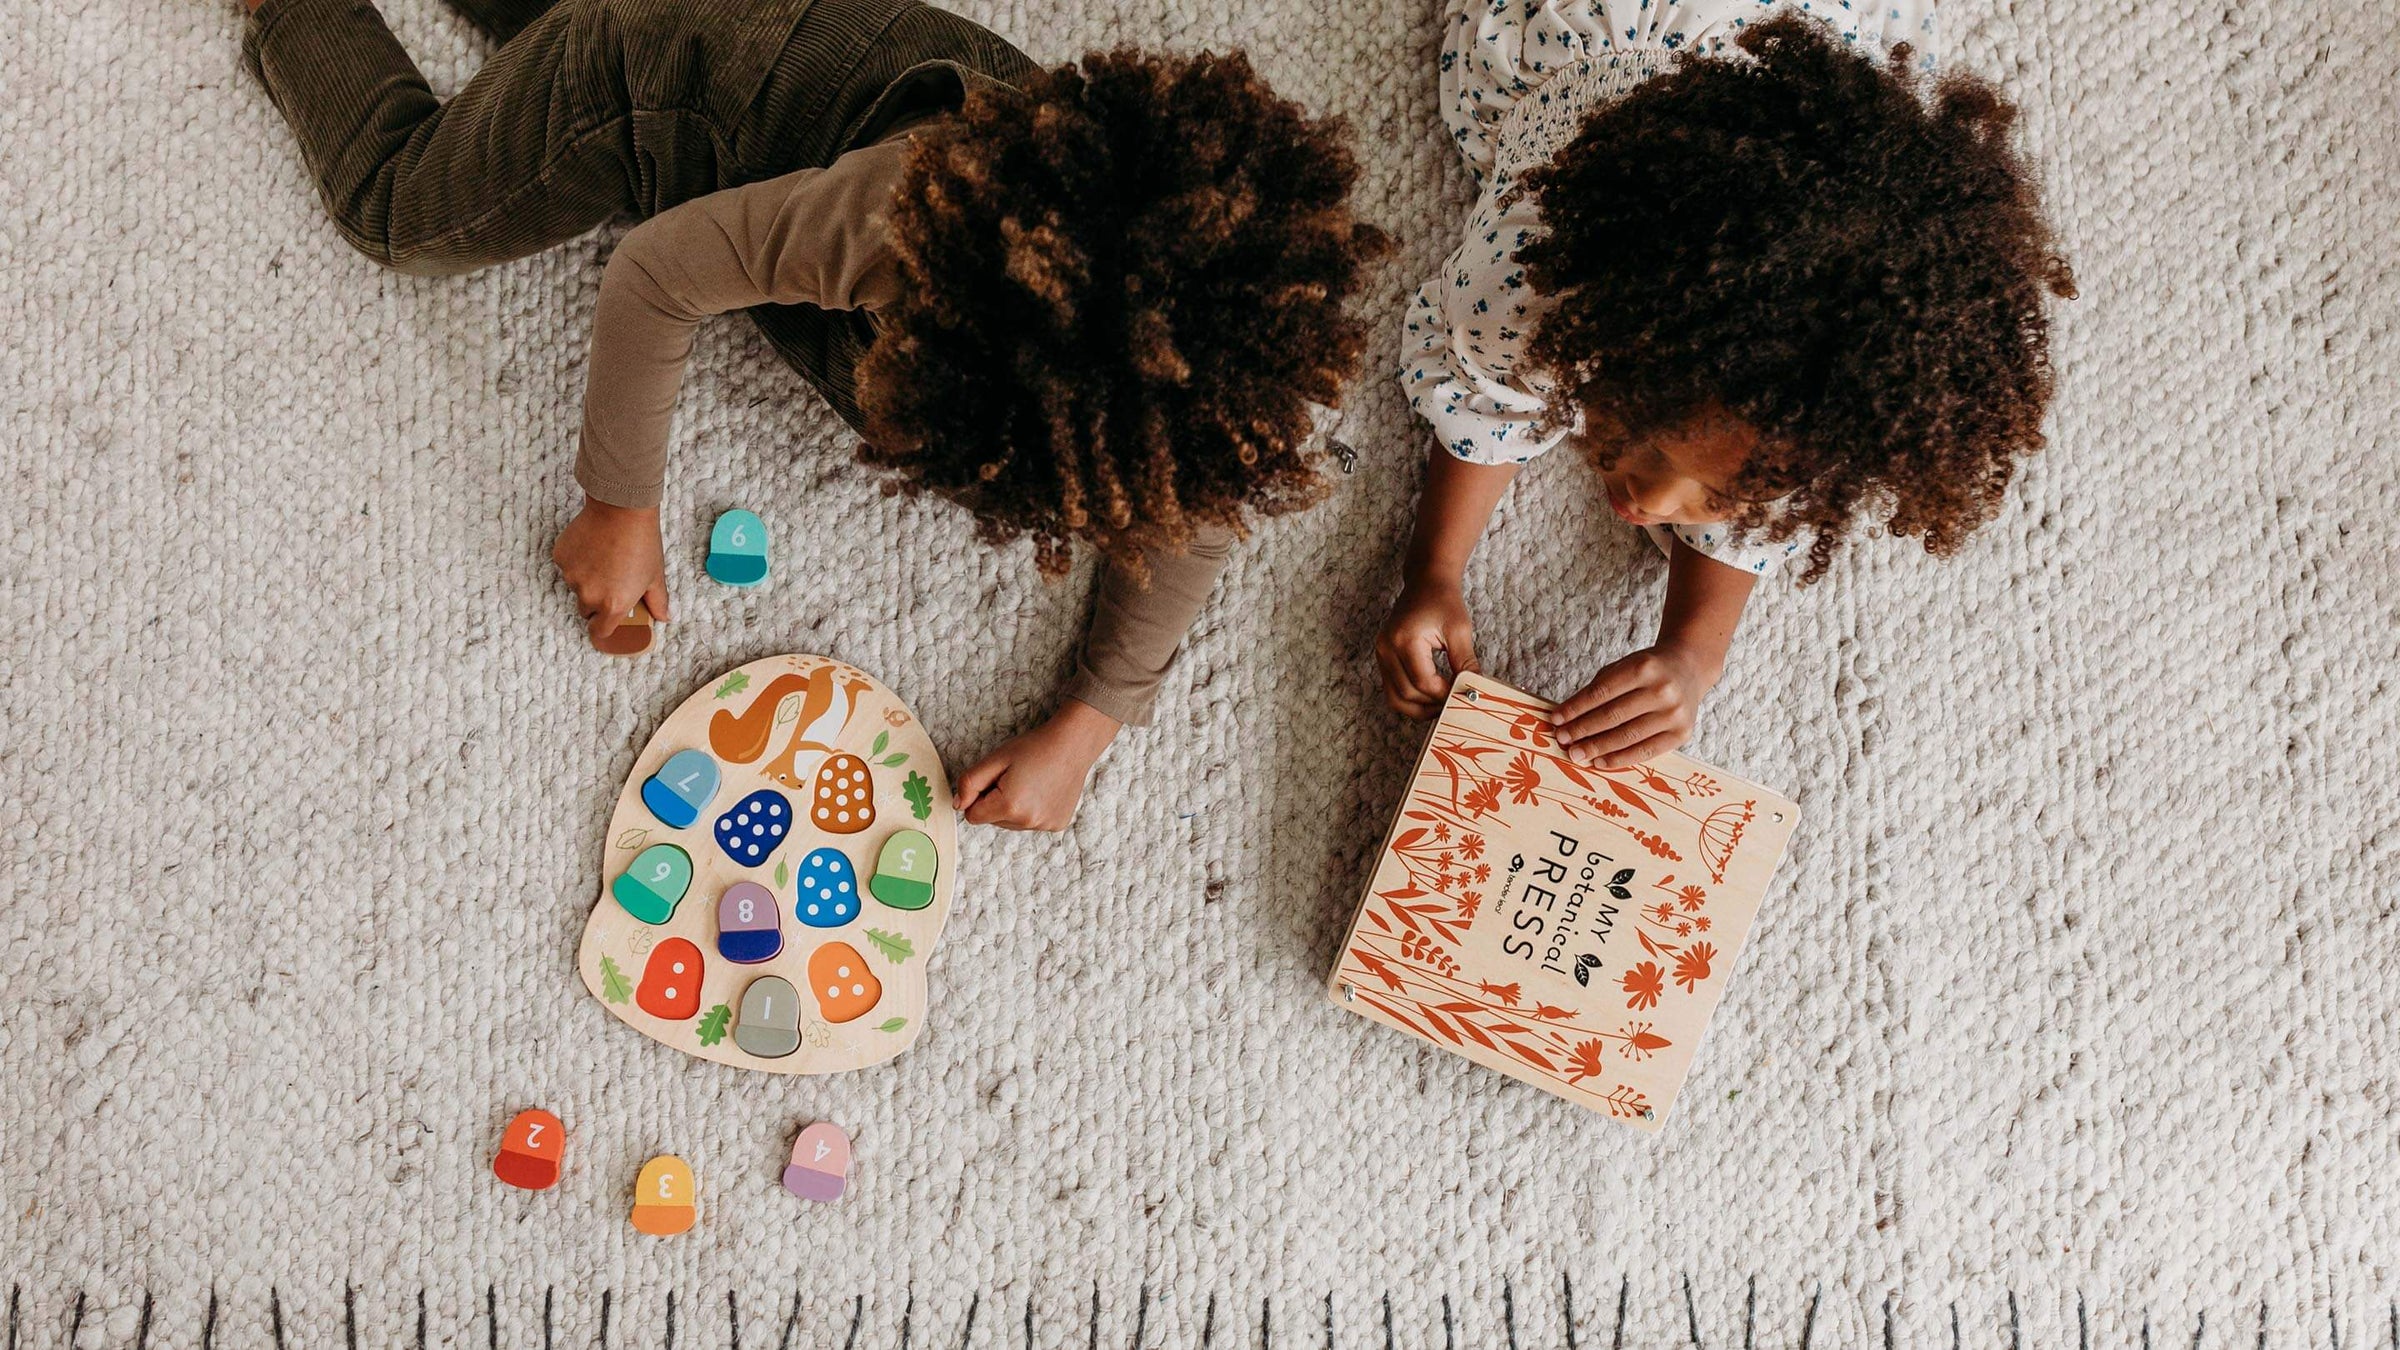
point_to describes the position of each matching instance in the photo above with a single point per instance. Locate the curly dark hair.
(1811, 239)
(1124, 286)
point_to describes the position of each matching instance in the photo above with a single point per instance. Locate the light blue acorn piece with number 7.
(681, 788)
(737, 549)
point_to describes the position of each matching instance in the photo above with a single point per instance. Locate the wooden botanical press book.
(1569, 926)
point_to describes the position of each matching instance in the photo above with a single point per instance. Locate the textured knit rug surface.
(2071, 1012)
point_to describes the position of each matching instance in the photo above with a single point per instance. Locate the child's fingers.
(1608, 716)
(604, 621)
(1418, 672)
(656, 599)
(1396, 690)
(1609, 748)
(1613, 680)
(1645, 750)
(1459, 641)
(974, 781)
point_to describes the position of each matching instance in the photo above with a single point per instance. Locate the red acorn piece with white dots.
(843, 801)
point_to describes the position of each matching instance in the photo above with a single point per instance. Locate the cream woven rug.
(2072, 1013)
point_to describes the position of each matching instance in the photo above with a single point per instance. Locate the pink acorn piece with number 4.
(820, 1163)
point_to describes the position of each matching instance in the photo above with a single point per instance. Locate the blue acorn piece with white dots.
(752, 831)
(825, 893)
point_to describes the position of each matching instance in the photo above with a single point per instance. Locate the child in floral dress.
(1771, 274)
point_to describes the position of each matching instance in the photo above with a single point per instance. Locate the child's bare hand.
(610, 558)
(1638, 707)
(1429, 617)
(1034, 781)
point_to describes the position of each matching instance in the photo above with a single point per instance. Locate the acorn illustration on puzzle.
(776, 874)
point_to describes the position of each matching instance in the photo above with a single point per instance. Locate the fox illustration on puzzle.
(777, 912)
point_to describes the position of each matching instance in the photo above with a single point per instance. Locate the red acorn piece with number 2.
(530, 1151)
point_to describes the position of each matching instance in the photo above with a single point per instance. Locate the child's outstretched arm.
(812, 237)
(1643, 705)
(1034, 781)
(1431, 614)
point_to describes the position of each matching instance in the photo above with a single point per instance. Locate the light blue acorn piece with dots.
(737, 549)
(825, 892)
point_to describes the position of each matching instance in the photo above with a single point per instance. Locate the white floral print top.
(1517, 78)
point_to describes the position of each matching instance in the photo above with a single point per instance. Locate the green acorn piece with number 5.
(904, 871)
(737, 549)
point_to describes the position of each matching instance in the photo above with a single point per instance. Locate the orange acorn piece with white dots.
(843, 800)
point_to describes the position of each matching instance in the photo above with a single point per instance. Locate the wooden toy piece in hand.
(666, 1199)
(632, 635)
(802, 811)
(531, 1150)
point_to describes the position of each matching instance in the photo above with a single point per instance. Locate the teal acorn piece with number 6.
(737, 549)
(651, 888)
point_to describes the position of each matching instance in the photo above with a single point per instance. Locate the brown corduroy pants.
(594, 109)
(589, 110)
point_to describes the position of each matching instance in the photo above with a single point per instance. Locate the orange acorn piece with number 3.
(665, 1197)
(531, 1149)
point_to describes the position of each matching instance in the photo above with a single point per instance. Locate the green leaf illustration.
(882, 739)
(892, 945)
(613, 985)
(893, 1024)
(783, 871)
(734, 684)
(713, 1024)
(893, 761)
(919, 793)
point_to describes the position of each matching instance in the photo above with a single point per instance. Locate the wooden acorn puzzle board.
(776, 873)
(1570, 926)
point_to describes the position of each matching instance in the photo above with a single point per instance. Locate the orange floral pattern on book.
(1452, 944)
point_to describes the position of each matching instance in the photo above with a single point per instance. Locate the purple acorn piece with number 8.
(752, 831)
(749, 928)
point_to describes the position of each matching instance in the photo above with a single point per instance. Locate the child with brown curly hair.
(1105, 302)
(1763, 270)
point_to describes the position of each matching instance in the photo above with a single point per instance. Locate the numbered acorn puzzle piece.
(666, 1199)
(719, 895)
(531, 1150)
(844, 988)
(826, 891)
(769, 1021)
(752, 831)
(681, 788)
(629, 638)
(820, 1165)
(670, 987)
(654, 884)
(737, 549)
(844, 796)
(749, 928)
(904, 871)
